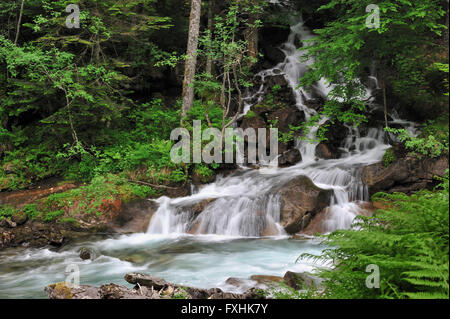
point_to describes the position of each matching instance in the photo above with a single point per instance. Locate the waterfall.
(247, 202)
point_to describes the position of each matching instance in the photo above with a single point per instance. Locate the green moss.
(250, 115)
(7, 211)
(389, 158)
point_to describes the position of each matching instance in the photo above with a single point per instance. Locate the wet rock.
(134, 217)
(319, 224)
(146, 280)
(323, 152)
(335, 135)
(85, 254)
(254, 293)
(200, 207)
(290, 158)
(299, 281)
(198, 293)
(264, 279)
(19, 219)
(270, 39)
(301, 201)
(407, 175)
(236, 282)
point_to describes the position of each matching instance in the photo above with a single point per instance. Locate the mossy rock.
(389, 158)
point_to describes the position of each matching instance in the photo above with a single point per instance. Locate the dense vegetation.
(96, 105)
(408, 240)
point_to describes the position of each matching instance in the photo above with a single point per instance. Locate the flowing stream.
(238, 232)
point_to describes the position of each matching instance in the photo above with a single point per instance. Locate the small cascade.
(247, 203)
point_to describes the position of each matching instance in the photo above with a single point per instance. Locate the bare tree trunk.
(19, 22)
(191, 60)
(251, 35)
(446, 30)
(210, 28)
(385, 105)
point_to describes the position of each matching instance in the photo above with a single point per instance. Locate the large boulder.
(301, 200)
(300, 281)
(335, 135)
(408, 175)
(134, 217)
(146, 280)
(290, 158)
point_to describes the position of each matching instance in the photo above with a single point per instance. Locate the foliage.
(433, 142)
(401, 53)
(389, 158)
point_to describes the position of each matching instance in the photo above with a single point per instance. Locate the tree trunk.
(251, 35)
(446, 30)
(191, 60)
(19, 22)
(210, 28)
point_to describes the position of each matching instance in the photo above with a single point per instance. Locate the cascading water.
(247, 203)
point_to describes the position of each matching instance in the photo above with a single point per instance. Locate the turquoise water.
(198, 261)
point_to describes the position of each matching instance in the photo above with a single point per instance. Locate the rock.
(198, 208)
(134, 217)
(198, 293)
(85, 254)
(19, 219)
(270, 39)
(301, 200)
(335, 135)
(113, 291)
(254, 293)
(408, 175)
(263, 279)
(146, 280)
(64, 290)
(236, 282)
(7, 223)
(147, 287)
(299, 281)
(289, 158)
(323, 152)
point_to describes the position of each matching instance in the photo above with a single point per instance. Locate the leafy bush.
(431, 143)
(389, 158)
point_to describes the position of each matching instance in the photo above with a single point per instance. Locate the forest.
(355, 92)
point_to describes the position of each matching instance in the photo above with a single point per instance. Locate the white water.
(247, 203)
